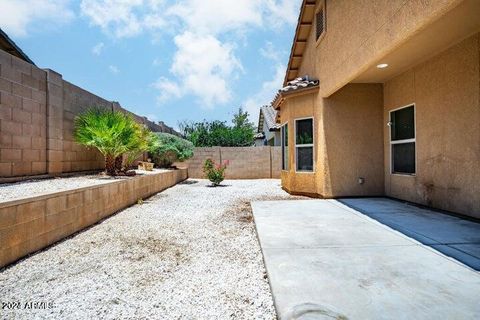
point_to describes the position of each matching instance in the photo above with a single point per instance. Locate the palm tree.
(111, 132)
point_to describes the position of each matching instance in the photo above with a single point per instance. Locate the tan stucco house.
(383, 98)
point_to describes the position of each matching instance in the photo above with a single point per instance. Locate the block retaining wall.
(245, 162)
(31, 224)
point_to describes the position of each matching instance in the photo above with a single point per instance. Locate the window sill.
(404, 174)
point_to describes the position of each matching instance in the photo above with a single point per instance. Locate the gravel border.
(36, 187)
(190, 252)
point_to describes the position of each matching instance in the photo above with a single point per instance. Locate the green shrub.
(169, 148)
(113, 133)
(219, 133)
(145, 141)
(215, 172)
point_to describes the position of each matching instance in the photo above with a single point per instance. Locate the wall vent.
(320, 23)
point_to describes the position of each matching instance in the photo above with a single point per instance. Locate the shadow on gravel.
(188, 182)
(219, 186)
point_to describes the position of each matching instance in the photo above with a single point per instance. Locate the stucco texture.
(446, 93)
(368, 31)
(351, 135)
(352, 120)
(348, 142)
(302, 106)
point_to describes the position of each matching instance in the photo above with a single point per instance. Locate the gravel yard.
(29, 188)
(190, 252)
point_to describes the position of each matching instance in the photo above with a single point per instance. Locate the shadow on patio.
(453, 236)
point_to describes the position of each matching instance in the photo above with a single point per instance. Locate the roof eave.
(296, 40)
(14, 49)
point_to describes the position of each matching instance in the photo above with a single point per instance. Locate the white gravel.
(29, 188)
(190, 252)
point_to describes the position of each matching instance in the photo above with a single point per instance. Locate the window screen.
(305, 159)
(304, 131)
(304, 144)
(403, 124)
(403, 157)
(402, 131)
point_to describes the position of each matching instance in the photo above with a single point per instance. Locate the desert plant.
(145, 141)
(215, 172)
(111, 132)
(170, 148)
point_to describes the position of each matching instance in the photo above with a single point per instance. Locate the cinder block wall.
(76, 157)
(37, 111)
(30, 224)
(23, 117)
(245, 162)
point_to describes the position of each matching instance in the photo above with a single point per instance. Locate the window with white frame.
(402, 140)
(284, 133)
(304, 145)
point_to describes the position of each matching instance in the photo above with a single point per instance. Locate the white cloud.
(266, 93)
(17, 17)
(126, 18)
(168, 89)
(213, 17)
(203, 65)
(281, 12)
(113, 69)
(270, 52)
(98, 48)
(123, 18)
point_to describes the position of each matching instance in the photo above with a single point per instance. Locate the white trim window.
(284, 135)
(304, 145)
(402, 140)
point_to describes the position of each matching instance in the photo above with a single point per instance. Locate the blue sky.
(167, 60)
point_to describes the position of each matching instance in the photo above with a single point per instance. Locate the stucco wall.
(245, 162)
(302, 106)
(353, 138)
(358, 33)
(348, 142)
(446, 93)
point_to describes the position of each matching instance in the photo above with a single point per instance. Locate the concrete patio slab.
(339, 228)
(451, 235)
(320, 266)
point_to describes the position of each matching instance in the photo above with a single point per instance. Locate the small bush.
(215, 172)
(169, 148)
